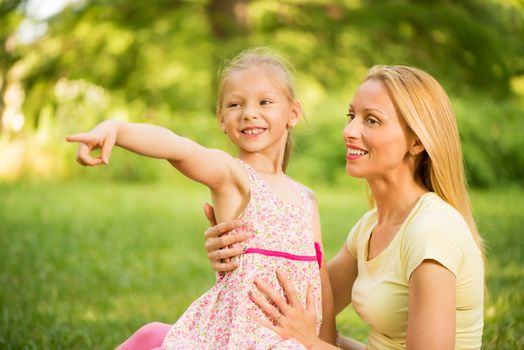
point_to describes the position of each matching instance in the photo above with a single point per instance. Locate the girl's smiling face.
(377, 139)
(256, 111)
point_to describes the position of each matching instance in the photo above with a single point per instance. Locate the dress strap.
(255, 182)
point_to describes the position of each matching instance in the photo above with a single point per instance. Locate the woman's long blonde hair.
(275, 65)
(427, 110)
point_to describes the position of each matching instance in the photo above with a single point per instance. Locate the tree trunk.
(228, 18)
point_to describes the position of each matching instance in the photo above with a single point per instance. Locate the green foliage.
(157, 62)
(85, 264)
(491, 139)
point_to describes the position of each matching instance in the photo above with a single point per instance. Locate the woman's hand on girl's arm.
(290, 319)
(218, 242)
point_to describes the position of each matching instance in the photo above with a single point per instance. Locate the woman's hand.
(218, 242)
(290, 319)
(103, 136)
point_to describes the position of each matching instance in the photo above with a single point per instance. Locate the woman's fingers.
(264, 322)
(270, 310)
(223, 255)
(289, 321)
(210, 214)
(222, 228)
(273, 296)
(216, 237)
(310, 300)
(223, 266)
(289, 290)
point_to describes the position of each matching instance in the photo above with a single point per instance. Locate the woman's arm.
(431, 310)
(328, 327)
(343, 270)
(207, 166)
(350, 344)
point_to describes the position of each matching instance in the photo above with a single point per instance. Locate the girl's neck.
(262, 163)
(395, 200)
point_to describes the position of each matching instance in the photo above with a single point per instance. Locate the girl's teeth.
(253, 131)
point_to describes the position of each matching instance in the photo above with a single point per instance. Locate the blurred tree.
(157, 61)
(10, 20)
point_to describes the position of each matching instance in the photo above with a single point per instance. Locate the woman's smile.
(353, 152)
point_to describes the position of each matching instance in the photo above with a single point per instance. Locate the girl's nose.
(250, 112)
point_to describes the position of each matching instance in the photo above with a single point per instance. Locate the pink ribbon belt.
(317, 257)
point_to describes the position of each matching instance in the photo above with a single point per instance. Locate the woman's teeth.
(356, 152)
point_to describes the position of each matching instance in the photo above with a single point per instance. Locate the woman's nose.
(351, 130)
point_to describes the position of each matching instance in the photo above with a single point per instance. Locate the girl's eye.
(233, 104)
(265, 102)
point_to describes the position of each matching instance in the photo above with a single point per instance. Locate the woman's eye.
(265, 102)
(350, 116)
(371, 120)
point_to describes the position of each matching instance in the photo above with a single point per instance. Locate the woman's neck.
(395, 199)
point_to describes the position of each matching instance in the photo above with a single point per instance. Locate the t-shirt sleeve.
(435, 236)
(352, 240)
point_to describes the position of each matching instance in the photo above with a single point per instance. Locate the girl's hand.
(103, 136)
(218, 242)
(290, 319)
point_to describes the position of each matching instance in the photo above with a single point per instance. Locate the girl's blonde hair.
(427, 110)
(276, 67)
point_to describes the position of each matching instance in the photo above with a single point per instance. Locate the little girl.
(256, 108)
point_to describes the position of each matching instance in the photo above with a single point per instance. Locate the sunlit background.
(65, 65)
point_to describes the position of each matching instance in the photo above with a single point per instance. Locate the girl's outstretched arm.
(207, 166)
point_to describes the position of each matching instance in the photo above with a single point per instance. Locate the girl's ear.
(222, 125)
(295, 116)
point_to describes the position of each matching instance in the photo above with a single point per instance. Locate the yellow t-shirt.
(433, 230)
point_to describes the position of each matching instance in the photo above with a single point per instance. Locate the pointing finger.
(81, 137)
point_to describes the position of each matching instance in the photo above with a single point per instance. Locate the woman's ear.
(416, 147)
(295, 116)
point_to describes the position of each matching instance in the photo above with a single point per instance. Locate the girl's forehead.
(253, 79)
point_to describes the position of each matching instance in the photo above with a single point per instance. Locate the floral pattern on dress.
(220, 318)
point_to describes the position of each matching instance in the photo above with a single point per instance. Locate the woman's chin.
(351, 171)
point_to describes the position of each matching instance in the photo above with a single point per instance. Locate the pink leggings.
(148, 337)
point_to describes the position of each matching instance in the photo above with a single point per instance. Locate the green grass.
(83, 265)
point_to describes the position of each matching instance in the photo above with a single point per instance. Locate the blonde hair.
(275, 66)
(427, 110)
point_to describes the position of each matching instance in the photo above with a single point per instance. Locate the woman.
(413, 265)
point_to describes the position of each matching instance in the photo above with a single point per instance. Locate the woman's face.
(377, 139)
